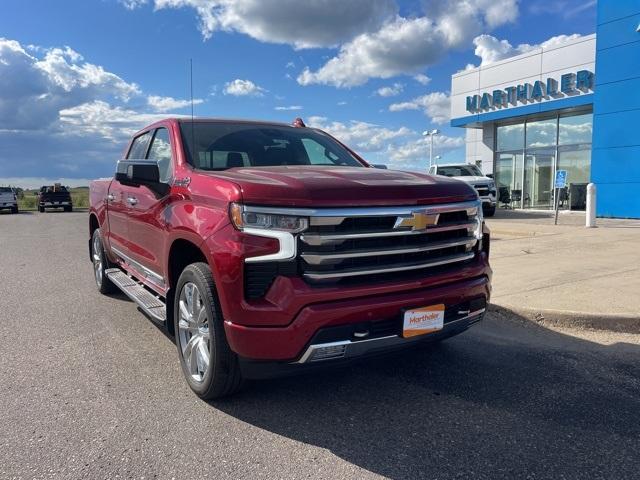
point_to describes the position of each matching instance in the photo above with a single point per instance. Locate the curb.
(619, 323)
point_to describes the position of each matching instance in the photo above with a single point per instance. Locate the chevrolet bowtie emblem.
(418, 221)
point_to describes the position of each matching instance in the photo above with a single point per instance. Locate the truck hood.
(474, 180)
(309, 186)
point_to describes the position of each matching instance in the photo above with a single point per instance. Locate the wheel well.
(181, 254)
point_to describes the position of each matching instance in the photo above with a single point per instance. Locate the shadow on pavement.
(507, 399)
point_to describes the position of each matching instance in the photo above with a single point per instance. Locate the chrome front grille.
(483, 190)
(362, 243)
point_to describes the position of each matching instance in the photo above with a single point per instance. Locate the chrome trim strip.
(354, 349)
(317, 240)
(287, 250)
(355, 273)
(470, 206)
(158, 279)
(319, 258)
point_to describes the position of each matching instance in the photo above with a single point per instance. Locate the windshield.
(460, 171)
(223, 145)
(5, 190)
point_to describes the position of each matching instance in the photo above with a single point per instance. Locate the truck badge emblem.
(418, 221)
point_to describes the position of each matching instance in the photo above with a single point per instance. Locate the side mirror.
(489, 175)
(141, 172)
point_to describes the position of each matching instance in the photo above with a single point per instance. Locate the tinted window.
(160, 151)
(460, 171)
(5, 190)
(139, 146)
(510, 137)
(222, 145)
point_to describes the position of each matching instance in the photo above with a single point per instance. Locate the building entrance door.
(538, 178)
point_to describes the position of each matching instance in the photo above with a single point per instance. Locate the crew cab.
(485, 186)
(271, 249)
(54, 196)
(8, 199)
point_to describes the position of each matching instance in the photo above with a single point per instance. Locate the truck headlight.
(492, 185)
(245, 217)
(477, 229)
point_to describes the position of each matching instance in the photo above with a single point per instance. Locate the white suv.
(472, 175)
(8, 199)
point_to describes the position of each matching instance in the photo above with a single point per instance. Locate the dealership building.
(573, 106)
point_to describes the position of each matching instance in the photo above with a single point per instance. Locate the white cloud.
(408, 45)
(416, 152)
(62, 116)
(390, 91)
(303, 24)
(398, 147)
(166, 104)
(361, 136)
(240, 88)
(490, 49)
(422, 79)
(289, 108)
(436, 105)
(132, 4)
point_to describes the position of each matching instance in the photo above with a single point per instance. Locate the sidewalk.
(567, 273)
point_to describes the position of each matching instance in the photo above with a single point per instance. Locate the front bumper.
(348, 351)
(289, 343)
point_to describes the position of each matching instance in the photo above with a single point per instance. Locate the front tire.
(490, 212)
(68, 209)
(209, 365)
(100, 264)
(41, 209)
(15, 210)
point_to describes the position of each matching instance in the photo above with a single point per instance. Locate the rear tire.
(209, 365)
(100, 264)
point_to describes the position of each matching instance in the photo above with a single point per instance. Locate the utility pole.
(431, 134)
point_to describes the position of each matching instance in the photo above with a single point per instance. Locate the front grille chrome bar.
(339, 274)
(331, 239)
(332, 258)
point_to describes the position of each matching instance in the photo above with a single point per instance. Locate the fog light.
(328, 352)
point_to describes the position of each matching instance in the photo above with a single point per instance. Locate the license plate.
(421, 321)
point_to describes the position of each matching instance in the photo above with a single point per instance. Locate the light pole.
(431, 134)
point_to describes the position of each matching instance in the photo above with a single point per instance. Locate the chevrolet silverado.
(271, 249)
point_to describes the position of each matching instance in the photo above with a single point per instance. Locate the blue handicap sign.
(561, 178)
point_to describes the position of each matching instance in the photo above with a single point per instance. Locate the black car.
(54, 196)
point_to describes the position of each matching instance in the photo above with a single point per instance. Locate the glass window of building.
(542, 133)
(525, 171)
(576, 129)
(510, 137)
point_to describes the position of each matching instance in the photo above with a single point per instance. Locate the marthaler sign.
(569, 84)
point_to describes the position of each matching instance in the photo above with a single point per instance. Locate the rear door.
(148, 212)
(118, 209)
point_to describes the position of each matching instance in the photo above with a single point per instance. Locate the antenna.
(193, 142)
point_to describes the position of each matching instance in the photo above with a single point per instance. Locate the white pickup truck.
(8, 199)
(485, 186)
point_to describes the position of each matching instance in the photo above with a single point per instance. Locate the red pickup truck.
(271, 249)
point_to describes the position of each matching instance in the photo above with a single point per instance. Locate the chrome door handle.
(132, 200)
(111, 197)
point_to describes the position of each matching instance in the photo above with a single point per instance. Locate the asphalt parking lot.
(90, 388)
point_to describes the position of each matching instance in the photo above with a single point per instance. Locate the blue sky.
(78, 76)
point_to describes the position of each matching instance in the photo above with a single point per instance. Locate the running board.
(147, 301)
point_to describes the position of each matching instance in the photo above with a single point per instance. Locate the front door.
(147, 215)
(117, 206)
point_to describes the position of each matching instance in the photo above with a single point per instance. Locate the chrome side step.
(147, 301)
